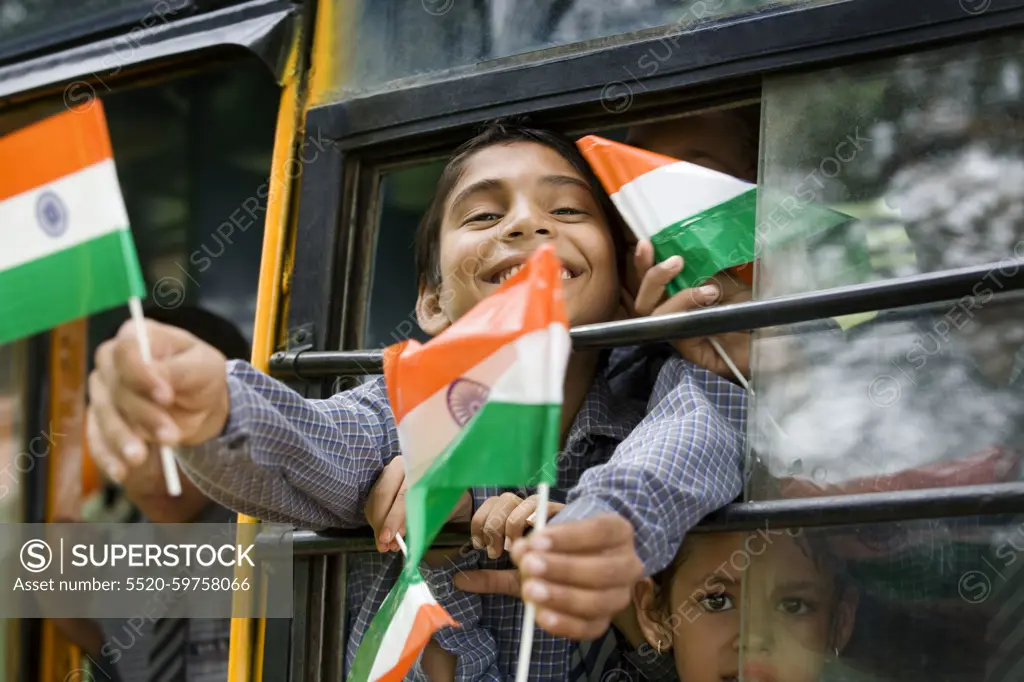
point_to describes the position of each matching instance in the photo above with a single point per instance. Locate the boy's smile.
(509, 200)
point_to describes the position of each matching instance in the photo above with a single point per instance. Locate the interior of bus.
(276, 159)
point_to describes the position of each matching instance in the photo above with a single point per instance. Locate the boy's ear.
(846, 617)
(650, 617)
(429, 312)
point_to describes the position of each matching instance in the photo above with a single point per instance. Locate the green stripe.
(711, 241)
(366, 655)
(505, 445)
(84, 279)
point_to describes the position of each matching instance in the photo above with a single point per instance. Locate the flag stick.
(742, 379)
(526, 643)
(166, 451)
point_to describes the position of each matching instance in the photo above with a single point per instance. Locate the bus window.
(442, 38)
(909, 165)
(193, 158)
(404, 195)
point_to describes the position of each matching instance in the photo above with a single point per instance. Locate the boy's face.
(709, 140)
(144, 486)
(509, 200)
(788, 619)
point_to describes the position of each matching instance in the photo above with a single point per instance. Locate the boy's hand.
(578, 573)
(181, 398)
(502, 520)
(385, 508)
(647, 282)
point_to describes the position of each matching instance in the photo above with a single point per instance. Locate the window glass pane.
(926, 150)
(438, 38)
(404, 195)
(906, 165)
(28, 22)
(193, 158)
(936, 600)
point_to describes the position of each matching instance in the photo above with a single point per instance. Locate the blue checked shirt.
(662, 458)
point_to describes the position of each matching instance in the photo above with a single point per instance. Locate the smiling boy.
(255, 445)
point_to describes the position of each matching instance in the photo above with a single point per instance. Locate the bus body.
(888, 354)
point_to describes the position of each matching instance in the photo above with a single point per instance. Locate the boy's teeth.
(508, 273)
(566, 274)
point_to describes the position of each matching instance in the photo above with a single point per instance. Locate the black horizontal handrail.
(811, 512)
(930, 288)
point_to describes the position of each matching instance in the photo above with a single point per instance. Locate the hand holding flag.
(69, 248)
(479, 405)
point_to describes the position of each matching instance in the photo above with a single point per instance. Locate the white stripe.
(540, 356)
(529, 371)
(397, 634)
(671, 193)
(92, 204)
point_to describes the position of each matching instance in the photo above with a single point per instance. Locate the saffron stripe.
(52, 148)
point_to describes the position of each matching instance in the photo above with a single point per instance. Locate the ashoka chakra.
(465, 398)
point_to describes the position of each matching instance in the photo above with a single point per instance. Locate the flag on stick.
(68, 247)
(684, 209)
(480, 405)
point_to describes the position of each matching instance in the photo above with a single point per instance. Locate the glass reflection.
(435, 37)
(923, 157)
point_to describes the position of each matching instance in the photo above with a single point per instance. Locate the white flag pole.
(526, 643)
(170, 467)
(742, 379)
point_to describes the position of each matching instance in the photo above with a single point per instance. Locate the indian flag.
(684, 209)
(68, 250)
(480, 405)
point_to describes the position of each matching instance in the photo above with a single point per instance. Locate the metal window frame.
(717, 62)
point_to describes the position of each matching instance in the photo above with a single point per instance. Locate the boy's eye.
(716, 602)
(795, 606)
(484, 217)
(567, 210)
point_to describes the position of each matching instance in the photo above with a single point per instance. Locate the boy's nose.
(528, 226)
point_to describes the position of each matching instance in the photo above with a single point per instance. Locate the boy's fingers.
(523, 517)
(493, 529)
(597, 572)
(121, 359)
(574, 601)
(593, 535)
(516, 523)
(652, 287)
(570, 627)
(146, 417)
(476, 524)
(117, 437)
(489, 582)
(100, 451)
(381, 503)
(691, 299)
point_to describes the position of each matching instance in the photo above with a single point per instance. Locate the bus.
(890, 357)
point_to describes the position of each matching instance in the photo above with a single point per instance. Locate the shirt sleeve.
(285, 459)
(683, 461)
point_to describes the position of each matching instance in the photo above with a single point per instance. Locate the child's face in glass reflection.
(790, 605)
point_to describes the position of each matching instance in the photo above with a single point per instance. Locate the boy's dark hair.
(501, 131)
(211, 328)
